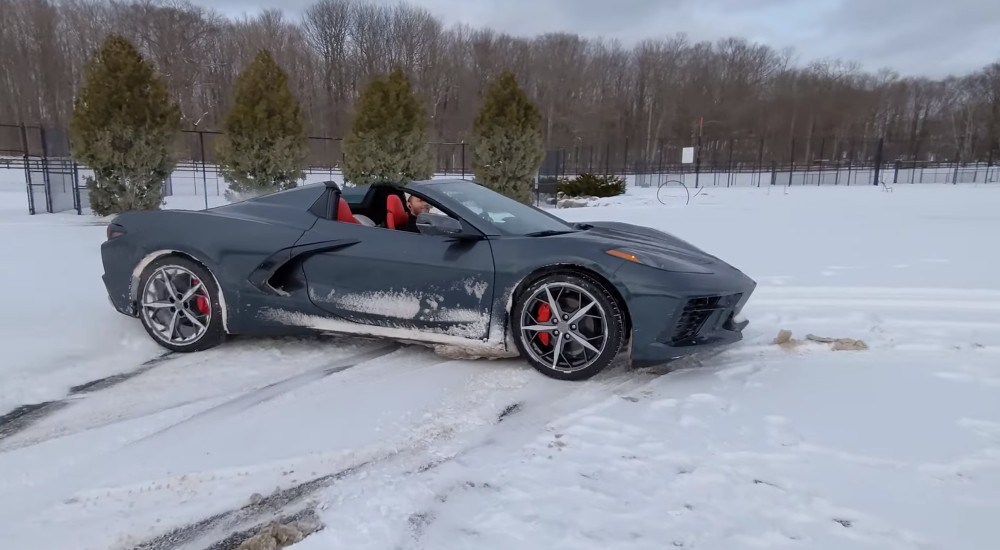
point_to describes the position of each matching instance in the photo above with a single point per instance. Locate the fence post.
(659, 170)
(791, 164)
(625, 160)
(27, 169)
(607, 159)
(836, 162)
(878, 160)
(204, 177)
(76, 189)
(822, 164)
(729, 170)
(45, 170)
(850, 163)
(697, 162)
(958, 164)
(760, 161)
(463, 159)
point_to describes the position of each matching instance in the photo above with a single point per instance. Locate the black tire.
(609, 309)
(214, 333)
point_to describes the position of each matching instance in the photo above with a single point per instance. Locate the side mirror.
(438, 224)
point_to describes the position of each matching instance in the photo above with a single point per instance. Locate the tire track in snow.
(24, 416)
(892, 293)
(225, 530)
(250, 517)
(447, 420)
(514, 424)
(115, 379)
(260, 395)
(903, 319)
(77, 483)
(868, 297)
(90, 390)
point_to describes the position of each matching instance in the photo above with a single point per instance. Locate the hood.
(648, 241)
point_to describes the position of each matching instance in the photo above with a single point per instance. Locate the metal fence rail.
(55, 182)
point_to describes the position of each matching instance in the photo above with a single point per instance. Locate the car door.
(398, 279)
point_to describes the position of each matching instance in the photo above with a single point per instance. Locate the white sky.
(913, 37)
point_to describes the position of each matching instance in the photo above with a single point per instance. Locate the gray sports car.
(478, 272)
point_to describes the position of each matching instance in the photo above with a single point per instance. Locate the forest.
(592, 93)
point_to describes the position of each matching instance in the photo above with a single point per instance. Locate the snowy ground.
(760, 446)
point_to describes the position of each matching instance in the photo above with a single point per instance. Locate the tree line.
(589, 92)
(125, 125)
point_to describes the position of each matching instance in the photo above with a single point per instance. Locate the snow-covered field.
(759, 446)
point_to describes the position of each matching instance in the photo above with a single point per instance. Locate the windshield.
(508, 215)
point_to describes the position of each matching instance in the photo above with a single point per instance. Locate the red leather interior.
(396, 214)
(344, 212)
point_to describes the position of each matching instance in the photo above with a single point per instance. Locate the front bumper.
(117, 257)
(120, 302)
(678, 314)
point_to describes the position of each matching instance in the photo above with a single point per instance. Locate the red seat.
(395, 213)
(344, 212)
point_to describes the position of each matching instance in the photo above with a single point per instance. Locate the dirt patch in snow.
(471, 353)
(784, 339)
(840, 344)
(259, 508)
(282, 534)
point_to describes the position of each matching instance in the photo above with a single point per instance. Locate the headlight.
(658, 262)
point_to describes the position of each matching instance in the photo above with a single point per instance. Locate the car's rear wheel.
(568, 326)
(179, 305)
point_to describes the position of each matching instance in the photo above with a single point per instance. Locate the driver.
(416, 206)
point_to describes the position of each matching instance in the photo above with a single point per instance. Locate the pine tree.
(264, 146)
(124, 127)
(388, 138)
(508, 145)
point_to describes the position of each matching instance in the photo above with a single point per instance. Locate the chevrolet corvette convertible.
(481, 273)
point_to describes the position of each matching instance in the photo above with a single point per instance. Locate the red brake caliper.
(544, 314)
(200, 301)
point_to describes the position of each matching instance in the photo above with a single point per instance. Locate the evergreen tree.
(264, 146)
(388, 138)
(124, 127)
(508, 145)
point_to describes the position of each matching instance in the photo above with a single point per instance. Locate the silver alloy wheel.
(176, 305)
(564, 327)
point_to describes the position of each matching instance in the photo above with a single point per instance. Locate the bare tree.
(601, 102)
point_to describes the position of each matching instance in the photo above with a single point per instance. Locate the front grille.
(696, 313)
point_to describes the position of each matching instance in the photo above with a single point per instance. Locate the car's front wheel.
(179, 305)
(568, 326)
